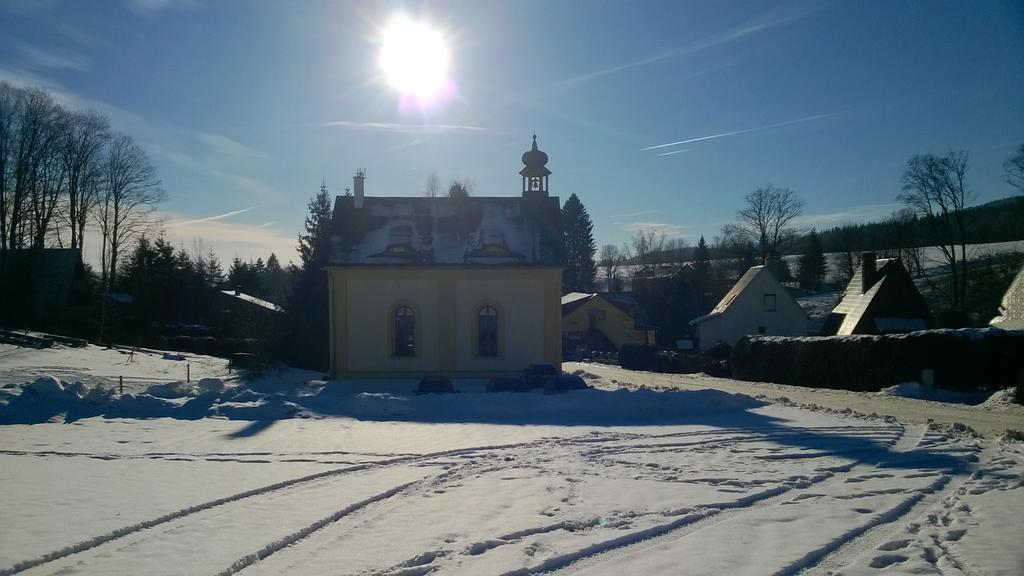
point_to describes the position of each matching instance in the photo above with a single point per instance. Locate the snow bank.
(915, 390)
(621, 406)
(49, 396)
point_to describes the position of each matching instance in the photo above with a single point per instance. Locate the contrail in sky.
(212, 218)
(744, 131)
(674, 152)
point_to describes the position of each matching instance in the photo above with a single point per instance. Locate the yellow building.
(453, 286)
(603, 322)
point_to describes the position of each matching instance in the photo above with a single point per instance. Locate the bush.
(964, 360)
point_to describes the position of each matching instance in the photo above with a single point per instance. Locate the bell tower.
(535, 173)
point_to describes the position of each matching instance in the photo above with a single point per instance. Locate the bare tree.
(82, 140)
(610, 260)
(767, 219)
(128, 200)
(432, 187)
(935, 187)
(11, 103)
(1014, 167)
(33, 135)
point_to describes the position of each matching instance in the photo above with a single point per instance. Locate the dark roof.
(411, 231)
(889, 293)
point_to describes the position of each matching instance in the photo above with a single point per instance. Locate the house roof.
(1011, 310)
(252, 300)
(623, 301)
(732, 294)
(417, 231)
(859, 296)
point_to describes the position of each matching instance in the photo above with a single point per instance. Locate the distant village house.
(603, 322)
(757, 304)
(880, 299)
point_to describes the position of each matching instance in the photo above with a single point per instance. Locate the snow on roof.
(858, 297)
(252, 300)
(461, 231)
(1011, 310)
(730, 296)
(574, 296)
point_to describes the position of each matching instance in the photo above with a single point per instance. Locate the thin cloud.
(396, 127)
(221, 144)
(151, 7)
(763, 22)
(669, 230)
(211, 218)
(37, 57)
(635, 214)
(267, 224)
(675, 152)
(859, 213)
(744, 131)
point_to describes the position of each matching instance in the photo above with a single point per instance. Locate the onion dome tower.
(535, 173)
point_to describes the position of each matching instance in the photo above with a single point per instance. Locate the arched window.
(405, 331)
(487, 331)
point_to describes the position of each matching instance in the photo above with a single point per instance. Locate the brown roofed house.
(880, 299)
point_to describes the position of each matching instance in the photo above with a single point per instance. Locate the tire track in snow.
(698, 519)
(281, 543)
(876, 535)
(146, 524)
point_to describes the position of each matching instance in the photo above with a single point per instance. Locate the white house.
(757, 304)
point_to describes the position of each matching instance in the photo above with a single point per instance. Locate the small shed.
(757, 304)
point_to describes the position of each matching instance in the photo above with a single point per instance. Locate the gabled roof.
(418, 231)
(252, 300)
(737, 289)
(860, 296)
(623, 301)
(1011, 310)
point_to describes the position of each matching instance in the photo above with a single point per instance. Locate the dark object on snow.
(565, 382)
(243, 360)
(435, 385)
(538, 375)
(507, 384)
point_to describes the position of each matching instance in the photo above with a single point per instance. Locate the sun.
(413, 57)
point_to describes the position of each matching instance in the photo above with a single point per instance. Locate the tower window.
(487, 331)
(769, 302)
(405, 331)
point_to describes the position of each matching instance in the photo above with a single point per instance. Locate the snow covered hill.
(588, 482)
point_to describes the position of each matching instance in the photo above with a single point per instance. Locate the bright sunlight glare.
(413, 57)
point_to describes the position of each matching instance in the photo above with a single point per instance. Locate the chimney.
(357, 184)
(867, 270)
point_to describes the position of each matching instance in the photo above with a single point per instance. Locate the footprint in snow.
(886, 560)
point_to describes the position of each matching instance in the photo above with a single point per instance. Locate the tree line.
(62, 171)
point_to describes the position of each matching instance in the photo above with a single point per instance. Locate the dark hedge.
(965, 360)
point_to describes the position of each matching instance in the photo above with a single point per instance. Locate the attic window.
(769, 302)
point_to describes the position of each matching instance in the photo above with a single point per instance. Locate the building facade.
(757, 304)
(453, 286)
(602, 322)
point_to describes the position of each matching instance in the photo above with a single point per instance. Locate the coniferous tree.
(701, 284)
(578, 235)
(812, 263)
(308, 312)
(315, 243)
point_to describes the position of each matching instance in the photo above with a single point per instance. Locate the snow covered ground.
(334, 480)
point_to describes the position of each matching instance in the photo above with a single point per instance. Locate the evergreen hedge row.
(965, 360)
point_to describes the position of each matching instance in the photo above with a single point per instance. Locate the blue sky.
(245, 107)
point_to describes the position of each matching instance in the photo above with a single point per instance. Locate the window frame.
(499, 327)
(393, 332)
(774, 302)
